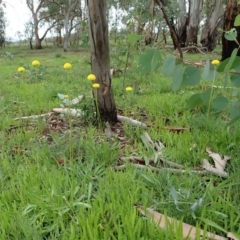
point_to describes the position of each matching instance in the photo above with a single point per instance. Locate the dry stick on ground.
(34, 116)
(186, 49)
(171, 170)
(188, 231)
(177, 168)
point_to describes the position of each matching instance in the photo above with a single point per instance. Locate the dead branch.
(168, 223)
(195, 48)
(34, 116)
(171, 170)
(131, 121)
(208, 167)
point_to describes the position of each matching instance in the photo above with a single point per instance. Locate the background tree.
(183, 21)
(42, 14)
(2, 27)
(214, 15)
(98, 34)
(29, 32)
(194, 20)
(70, 12)
(231, 11)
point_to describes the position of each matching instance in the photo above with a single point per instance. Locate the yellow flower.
(67, 66)
(35, 63)
(66, 96)
(215, 62)
(96, 85)
(21, 69)
(129, 89)
(91, 77)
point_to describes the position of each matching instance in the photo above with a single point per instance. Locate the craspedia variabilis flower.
(21, 69)
(215, 62)
(96, 85)
(67, 66)
(35, 63)
(129, 89)
(91, 77)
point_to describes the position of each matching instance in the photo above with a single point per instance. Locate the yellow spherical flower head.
(35, 63)
(21, 69)
(91, 77)
(215, 62)
(96, 85)
(66, 96)
(129, 89)
(67, 66)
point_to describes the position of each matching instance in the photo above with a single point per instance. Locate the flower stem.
(211, 95)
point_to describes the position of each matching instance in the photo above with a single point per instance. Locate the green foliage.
(150, 61)
(231, 35)
(191, 76)
(133, 38)
(184, 76)
(237, 21)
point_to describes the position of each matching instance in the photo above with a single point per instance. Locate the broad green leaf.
(220, 102)
(194, 101)
(177, 77)
(231, 35)
(235, 79)
(231, 60)
(132, 38)
(205, 96)
(213, 224)
(156, 60)
(237, 21)
(234, 65)
(206, 70)
(168, 65)
(149, 61)
(234, 109)
(235, 92)
(191, 76)
(233, 120)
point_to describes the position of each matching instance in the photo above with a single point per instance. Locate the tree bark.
(213, 21)
(183, 23)
(171, 27)
(194, 19)
(98, 33)
(232, 10)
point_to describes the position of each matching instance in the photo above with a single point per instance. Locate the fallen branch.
(131, 121)
(171, 170)
(171, 224)
(197, 49)
(165, 162)
(219, 162)
(34, 116)
(208, 167)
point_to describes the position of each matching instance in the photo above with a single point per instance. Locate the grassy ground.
(56, 175)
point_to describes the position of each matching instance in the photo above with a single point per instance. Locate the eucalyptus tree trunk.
(213, 21)
(194, 20)
(98, 34)
(183, 22)
(35, 11)
(232, 10)
(68, 19)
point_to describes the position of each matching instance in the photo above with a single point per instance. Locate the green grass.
(60, 184)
